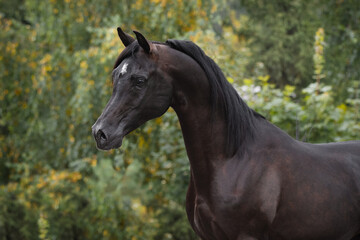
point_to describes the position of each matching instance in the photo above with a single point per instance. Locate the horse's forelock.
(127, 52)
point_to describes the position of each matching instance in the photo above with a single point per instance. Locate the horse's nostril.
(100, 135)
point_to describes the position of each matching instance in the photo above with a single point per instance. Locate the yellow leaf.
(141, 142)
(343, 107)
(158, 120)
(264, 78)
(230, 80)
(248, 81)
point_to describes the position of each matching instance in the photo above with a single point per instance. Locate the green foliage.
(281, 35)
(340, 20)
(16, 221)
(313, 117)
(55, 69)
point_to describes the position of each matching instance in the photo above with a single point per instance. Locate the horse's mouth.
(116, 143)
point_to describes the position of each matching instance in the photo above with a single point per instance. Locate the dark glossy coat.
(249, 179)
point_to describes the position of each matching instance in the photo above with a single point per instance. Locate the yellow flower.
(158, 121)
(27, 204)
(141, 142)
(18, 91)
(83, 65)
(48, 68)
(63, 175)
(24, 105)
(41, 184)
(93, 162)
(76, 176)
(45, 59)
(213, 8)
(12, 186)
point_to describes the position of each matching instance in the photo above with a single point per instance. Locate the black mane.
(238, 116)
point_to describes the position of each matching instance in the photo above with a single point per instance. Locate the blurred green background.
(296, 62)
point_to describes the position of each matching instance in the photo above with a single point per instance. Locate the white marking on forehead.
(124, 69)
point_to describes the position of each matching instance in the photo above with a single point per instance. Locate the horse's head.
(141, 91)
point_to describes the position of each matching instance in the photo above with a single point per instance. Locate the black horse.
(249, 179)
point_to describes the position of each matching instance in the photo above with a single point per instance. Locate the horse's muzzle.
(106, 140)
(100, 137)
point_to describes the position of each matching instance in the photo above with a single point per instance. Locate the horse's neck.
(204, 140)
(203, 131)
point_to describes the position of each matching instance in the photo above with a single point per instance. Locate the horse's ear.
(125, 38)
(145, 44)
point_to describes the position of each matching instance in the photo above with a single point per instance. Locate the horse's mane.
(238, 116)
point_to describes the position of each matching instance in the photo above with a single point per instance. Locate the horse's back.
(334, 163)
(337, 153)
(321, 188)
(343, 157)
(341, 147)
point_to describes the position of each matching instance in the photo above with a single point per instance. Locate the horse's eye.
(139, 81)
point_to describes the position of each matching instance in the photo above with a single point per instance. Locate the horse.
(249, 179)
